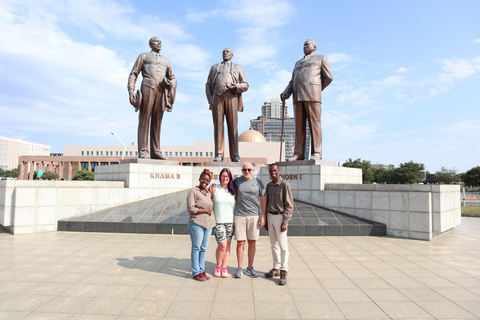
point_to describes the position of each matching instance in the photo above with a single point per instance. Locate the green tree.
(409, 172)
(444, 176)
(83, 175)
(49, 176)
(368, 172)
(472, 177)
(8, 173)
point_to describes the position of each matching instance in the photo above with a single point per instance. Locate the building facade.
(269, 124)
(12, 149)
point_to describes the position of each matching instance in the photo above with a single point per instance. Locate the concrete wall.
(36, 206)
(409, 211)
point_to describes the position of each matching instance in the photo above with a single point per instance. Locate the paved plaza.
(69, 275)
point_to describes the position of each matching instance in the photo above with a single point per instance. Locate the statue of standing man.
(310, 76)
(156, 95)
(225, 84)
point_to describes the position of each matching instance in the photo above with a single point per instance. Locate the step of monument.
(167, 215)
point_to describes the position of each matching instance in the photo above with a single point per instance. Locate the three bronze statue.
(225, 84)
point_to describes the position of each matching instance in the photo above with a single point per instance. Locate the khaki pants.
(279, 241)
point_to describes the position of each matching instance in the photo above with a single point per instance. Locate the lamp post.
(124, 146)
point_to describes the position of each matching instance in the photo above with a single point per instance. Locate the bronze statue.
(156, 95)
(225, 84)
(310, 76)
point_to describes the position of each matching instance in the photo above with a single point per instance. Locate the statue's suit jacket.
(155, 69)
(238, 76)
(310, 76)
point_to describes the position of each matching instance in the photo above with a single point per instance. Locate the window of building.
(196, 153)
(176, 153)
(191, 154)
(201, 154)
(83, 153)
(101, 153)
(116, 153)
(136, 153)
(85, 164)
(180, 153)
(88, 153)
(97, 153)
(121, 152)
(91, 152)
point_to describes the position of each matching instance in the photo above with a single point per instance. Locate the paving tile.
(23, 302)
(276, 310)
(348, 295)
(7, 315)
(85, 290)
(196, 293)
(64, 303)
(49, 316)
(186, 309)
(404, 310)
(446, 309)
(337, 283)
(237, 295)
(458, 294)
(361, 310)
(371, 283)
(422, 294)
(382, 294)
(105, 306)
(147, 308)
(310, 295)
(320, 310)
(236, 310)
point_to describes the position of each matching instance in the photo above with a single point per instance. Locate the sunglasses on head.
(247, 169)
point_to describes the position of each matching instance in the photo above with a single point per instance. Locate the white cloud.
(477, 41)
(467, 128)
(460, 68)
(266, 14)
(401, 70)
(339, 58)
(453, 71)
(388, 82)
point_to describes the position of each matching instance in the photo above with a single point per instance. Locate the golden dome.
(251, 136)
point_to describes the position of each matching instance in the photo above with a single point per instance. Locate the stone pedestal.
(305, 176)
(145, 178)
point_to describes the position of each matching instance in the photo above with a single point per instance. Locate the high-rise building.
(11, 149)
(270, 125)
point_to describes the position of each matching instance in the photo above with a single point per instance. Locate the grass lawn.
(471, 211)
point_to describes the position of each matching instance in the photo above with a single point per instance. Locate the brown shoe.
(283, 278)
(199, 277)
(272, 273)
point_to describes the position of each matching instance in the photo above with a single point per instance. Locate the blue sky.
(406, 73)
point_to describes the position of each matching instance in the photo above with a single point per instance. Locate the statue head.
(309, 46)
(155, 44)
(227, 54)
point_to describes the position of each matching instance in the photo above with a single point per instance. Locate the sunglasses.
(247, 169)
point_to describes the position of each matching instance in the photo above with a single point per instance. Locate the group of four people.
(239, 207)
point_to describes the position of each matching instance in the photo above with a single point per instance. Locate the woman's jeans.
(200, 237)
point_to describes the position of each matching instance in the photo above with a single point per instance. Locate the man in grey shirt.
(250, 195)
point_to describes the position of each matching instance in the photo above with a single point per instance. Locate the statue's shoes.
(218, 159)
(158, 156)
(297, 158)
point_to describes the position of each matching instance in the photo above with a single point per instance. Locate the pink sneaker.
(217, 271)
(224, 272)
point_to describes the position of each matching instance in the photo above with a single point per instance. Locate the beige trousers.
(278, 241)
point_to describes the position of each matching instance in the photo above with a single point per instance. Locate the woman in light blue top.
(223, 206)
